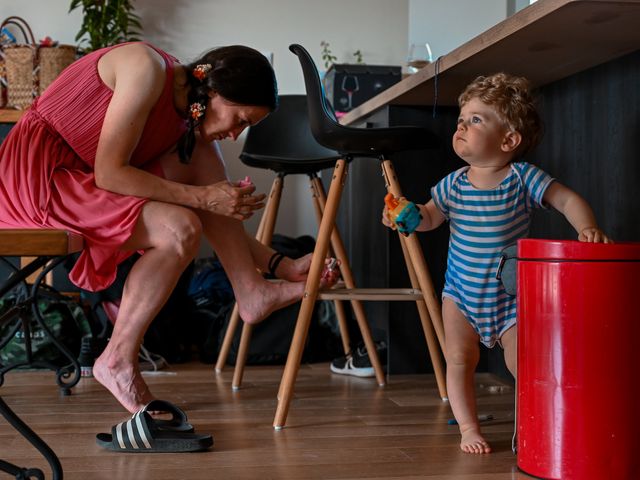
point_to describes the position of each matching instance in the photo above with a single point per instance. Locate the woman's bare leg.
(256, 297)
(463, 353)
(170, 237)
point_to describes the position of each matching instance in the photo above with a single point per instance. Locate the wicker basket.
(52, 60)
(29, 68)
(20, 61)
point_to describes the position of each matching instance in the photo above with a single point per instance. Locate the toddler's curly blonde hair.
(512, 100)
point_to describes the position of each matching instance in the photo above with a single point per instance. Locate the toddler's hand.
(386, 221)
(593, 235)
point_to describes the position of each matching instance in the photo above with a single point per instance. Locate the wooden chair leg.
(264, 235)
(417, 261)
(432, 345)
(430, 310)
(241, 358)
(347, 275)
(292, 366)
(341, 314)
(228, 339)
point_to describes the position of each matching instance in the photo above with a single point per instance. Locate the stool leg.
(241, 358)
(263, 235)
(417, 261)
(311, 292)
(347, 275)
(432, 345)
(234, 320)
(341, 314)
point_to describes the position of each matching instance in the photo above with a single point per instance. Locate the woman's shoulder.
(136, 61)
(134, 52)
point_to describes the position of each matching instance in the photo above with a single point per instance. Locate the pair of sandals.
(143, 433)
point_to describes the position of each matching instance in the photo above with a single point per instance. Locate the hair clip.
(200, 71)
(197, 110)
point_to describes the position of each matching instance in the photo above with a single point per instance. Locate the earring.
(200, 71)
(196, 110)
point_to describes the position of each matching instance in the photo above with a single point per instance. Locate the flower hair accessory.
(196, 110)
(200, 71)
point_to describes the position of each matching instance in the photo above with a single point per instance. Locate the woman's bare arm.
(136, 73)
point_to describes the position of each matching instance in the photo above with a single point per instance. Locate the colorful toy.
(245, 182)
(404, 214)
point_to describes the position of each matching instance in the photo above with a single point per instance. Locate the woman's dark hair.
(239, 74)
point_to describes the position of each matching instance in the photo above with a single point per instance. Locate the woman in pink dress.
(122, 149)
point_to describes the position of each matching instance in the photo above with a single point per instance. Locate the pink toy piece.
(245, 182)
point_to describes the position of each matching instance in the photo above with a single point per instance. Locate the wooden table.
(545, 42)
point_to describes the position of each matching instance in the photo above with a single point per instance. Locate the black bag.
(170, 333)
(63, 316)
(271, 338)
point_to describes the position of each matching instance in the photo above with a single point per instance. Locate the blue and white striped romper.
(482, 224)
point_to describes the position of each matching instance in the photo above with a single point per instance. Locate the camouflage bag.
(64, 318)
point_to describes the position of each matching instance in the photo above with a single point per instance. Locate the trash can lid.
(533, 248)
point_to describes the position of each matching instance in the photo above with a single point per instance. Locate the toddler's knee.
(461, 357)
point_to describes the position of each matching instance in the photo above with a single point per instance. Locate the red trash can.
(578, 393)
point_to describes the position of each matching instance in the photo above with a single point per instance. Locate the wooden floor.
(338, 428)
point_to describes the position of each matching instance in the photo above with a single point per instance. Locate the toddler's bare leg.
(463, 353)
(510, 345)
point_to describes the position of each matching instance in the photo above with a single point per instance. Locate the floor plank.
(338, 428)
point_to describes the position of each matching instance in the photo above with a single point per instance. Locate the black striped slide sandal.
(142, 434)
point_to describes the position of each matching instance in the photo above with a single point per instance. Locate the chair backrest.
(322, 120)
(285, 135)
(350, 141)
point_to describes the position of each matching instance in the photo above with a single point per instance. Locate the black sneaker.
(358, 363)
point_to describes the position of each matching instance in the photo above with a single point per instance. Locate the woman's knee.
(183, 232)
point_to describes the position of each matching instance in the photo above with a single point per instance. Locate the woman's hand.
(593, 235)
(231, 200)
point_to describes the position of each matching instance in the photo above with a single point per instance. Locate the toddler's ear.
(511, 141)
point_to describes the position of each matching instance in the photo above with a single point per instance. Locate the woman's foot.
(258, 303)
(472, 441)
(124, 381)
(296, 270)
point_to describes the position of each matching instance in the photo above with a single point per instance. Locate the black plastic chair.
(283, 142)
(353, 143)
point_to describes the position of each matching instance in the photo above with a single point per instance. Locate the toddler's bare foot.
(472, 441)
(125, 383)
(258, 303)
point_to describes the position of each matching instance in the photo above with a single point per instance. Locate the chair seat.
(377, 142)
(288, 166)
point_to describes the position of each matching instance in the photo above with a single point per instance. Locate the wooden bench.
(46, 248)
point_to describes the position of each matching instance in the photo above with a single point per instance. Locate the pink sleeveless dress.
(47, 163)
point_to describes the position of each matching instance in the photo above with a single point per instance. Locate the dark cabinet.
(592, 124)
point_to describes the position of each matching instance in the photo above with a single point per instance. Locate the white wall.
(446, 25)
(188, 27)
(381, 29)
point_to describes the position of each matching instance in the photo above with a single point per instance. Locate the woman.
(121, 149)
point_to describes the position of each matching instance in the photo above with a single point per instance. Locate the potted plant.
(105, 23)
